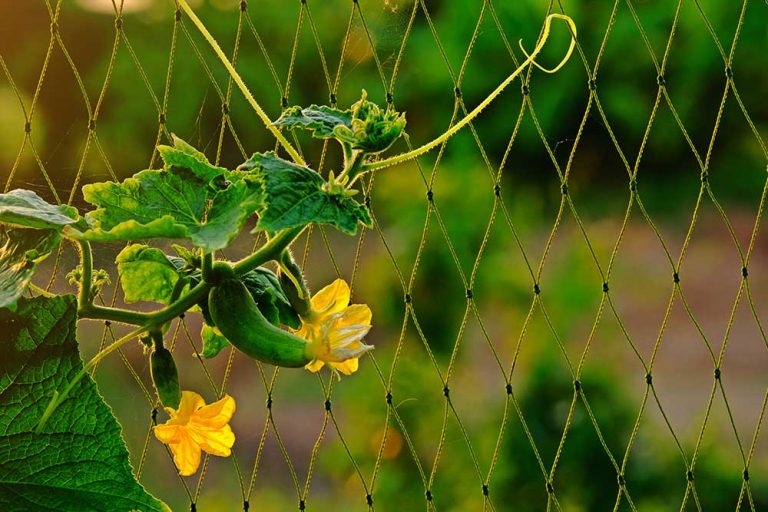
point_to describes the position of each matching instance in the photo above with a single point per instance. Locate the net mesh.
(454, 409)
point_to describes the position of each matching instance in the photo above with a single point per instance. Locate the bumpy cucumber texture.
(238, 318)
(166, 377)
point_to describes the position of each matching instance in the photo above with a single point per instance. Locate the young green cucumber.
(238, 318)
(165, 376)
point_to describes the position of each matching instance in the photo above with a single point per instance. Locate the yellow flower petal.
(217, 414)
(359, 314)
(331, 299)
(315, 366)
(186, 454)
(195, 427)
(347, 367)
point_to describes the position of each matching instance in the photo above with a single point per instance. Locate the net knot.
(118, 23)
(592, 84)
(327, 405)
(536, 288)
(269, 402)
(633, 185)
(746, 475)
(225, 109)
(525, 90)
(193, 507)
(408, 298)
(508, 387)
(469, 293)
(577, 385)
(564, 189)
(497, 190)
(661, 80)
(485, 489)
(729, 71)
(621, 480)
(704, 176)
(689, 475)
(717, 373)
(550, 488)
(243, 5)
(676, 277)
(389, 398)
(369, 499)
(430, 195)
(457, 92)
(178, 15)
(390, 98)
(428, 495)
(332, 98)
(302, 503)
(648, 379)
(92, 124)
(161, 118)
(154, 416)
(605, 287)
(107, 323)
(744, 272)
(446, 392)
(284, 102)
(246, 506)
(28, 127)
(367, 201)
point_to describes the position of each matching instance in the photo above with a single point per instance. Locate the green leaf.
(20, 251)
(184, 156)
(320, 120)
(296, 196)
(79, 461)
(26, 209)
(213, 341)
(365, 126)
(269, 296)
(170, 204)
(146, 273)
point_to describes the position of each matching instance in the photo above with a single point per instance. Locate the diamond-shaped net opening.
(568, 295)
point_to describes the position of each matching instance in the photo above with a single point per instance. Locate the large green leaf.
(322, 120)
(146, 273)
(21, 249)
(296, 196)
(79, 461)
(184, 156)
(170, 204)
(25, 208)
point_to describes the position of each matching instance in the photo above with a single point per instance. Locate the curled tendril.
(543, 39)
(530, 60)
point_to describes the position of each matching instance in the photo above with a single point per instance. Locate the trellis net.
(568, 296)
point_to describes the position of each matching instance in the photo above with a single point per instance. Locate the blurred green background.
(283, 48)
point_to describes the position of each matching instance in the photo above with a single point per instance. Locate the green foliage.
(79, 459)
(364, 127)
(146, 273)
(170, 204)
(213, 341)
(20, 252)
(184, 156)
(297, 196)
(26, 209)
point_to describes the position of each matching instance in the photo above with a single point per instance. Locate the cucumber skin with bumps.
(165, 377)
(238, 318)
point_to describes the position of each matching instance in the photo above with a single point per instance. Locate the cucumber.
(165, 377)
(238, 318)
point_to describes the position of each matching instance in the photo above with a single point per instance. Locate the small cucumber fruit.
(165, 377)
(238, 318)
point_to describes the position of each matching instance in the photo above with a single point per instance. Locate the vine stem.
(241, 84)
(86, 262)
(403, 157)
(58, 398)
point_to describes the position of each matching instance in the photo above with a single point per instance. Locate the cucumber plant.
(266, 315)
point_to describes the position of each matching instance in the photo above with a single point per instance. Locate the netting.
(551, 331)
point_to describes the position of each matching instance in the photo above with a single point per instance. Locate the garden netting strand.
(568, 296)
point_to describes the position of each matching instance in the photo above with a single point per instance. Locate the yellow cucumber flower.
(335, 329)
(195, 427)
